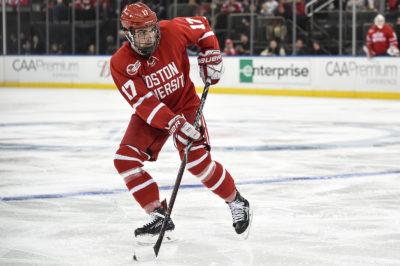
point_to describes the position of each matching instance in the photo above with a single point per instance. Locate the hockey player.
(381, 39)
(151, 71)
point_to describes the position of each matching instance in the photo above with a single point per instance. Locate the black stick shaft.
(182, 167)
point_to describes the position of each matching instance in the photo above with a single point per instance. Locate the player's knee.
(127, 158)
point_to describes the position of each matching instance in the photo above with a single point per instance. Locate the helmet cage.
(137, 40)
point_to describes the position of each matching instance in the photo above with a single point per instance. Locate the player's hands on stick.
(210, 64)
(178, 124)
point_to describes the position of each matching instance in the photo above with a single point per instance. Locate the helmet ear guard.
(139, 16)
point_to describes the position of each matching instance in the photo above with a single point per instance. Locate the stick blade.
(144, 253)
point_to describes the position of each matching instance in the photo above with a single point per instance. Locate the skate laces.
(154, 216)
(238, 210)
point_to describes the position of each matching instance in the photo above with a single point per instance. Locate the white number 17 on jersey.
(195, 23)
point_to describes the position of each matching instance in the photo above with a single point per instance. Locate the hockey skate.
(241, 215)
(148, 233)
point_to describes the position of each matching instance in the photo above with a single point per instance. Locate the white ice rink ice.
(323, 176)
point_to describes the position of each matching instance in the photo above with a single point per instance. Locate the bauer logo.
(246, 70)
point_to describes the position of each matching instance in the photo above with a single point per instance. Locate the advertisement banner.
(305, 76)
(57, 69)
(283, 71)
(359, 74)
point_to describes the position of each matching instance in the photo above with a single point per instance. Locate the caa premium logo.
(42, 65)
(132, 69)
(27, 65)
(346, 68)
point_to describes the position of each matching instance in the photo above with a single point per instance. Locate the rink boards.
(350, 77)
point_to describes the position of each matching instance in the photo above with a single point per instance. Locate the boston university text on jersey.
(169, 75)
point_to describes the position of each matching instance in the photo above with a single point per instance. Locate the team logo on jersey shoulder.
(132, 69)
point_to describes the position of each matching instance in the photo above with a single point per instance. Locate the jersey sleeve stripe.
(205, 35)
(141, 99)
(154, 112)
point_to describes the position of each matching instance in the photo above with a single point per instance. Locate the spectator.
(381, 39)
(232, 6)
(106, 9)
(54, 49)
(301, 13)
(393, 5)
(26, 47)
(284, 9)
(273, 50)
(269, 8)
(85, 9)
(12, 45)
(299, 47)
(91, 49)
(276, 30)
(360, 5)
(251, 8)
(373, 5)
(243, 48)
(229, 48)
(110, 44)
(60, 11)
(37, 47)
(316, 49)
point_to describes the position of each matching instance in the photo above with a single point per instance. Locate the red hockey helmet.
(140, 25)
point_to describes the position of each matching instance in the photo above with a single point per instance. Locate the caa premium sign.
(53, 69)
(362, 74)
(275, 71)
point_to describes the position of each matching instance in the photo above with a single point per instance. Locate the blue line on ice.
(189, 186)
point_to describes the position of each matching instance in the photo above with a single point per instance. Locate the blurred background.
(243, 27)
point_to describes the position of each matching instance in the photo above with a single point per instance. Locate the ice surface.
(323, 176)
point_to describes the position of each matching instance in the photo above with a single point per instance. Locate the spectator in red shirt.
(393, 5)
(232, 6)
(229, 48)
(381, 39)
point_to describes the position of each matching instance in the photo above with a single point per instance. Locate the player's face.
(145, 37)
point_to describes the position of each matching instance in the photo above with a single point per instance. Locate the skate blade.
(150, 240)
(245, 234)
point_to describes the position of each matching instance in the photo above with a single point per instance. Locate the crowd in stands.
(275, 14)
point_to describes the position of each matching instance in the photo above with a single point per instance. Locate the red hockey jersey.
(159, 87)
(379, 40)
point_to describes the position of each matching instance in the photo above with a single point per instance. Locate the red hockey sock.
(211, 173)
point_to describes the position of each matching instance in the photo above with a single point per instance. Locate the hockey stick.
(157, 245)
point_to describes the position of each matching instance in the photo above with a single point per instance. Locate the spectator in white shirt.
(269, 7)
